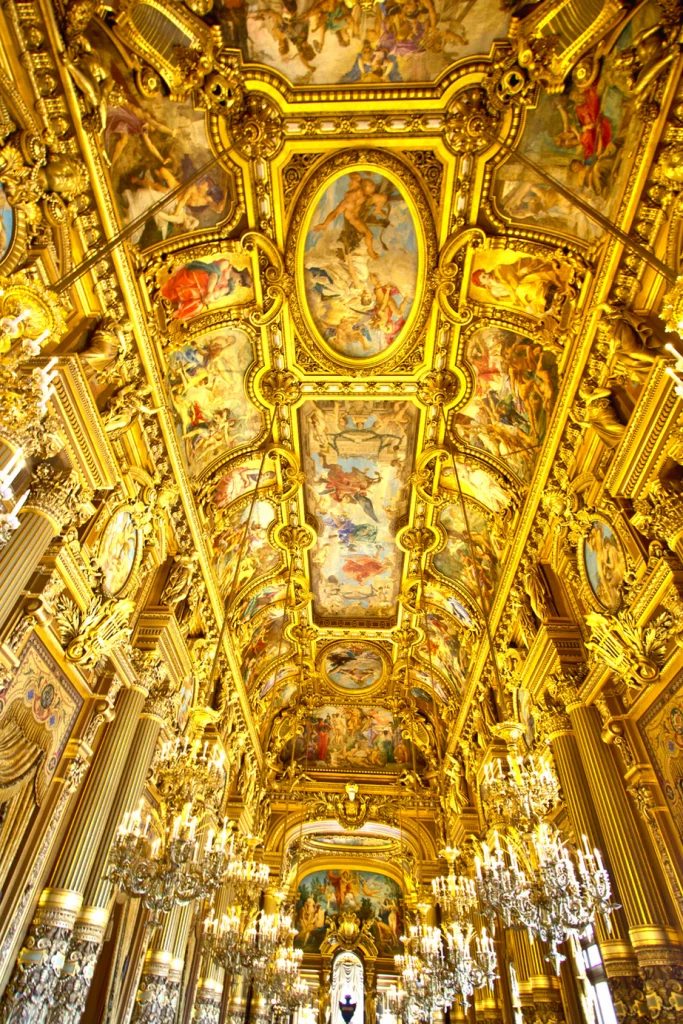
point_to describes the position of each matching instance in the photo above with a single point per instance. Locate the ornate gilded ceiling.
(361, 316)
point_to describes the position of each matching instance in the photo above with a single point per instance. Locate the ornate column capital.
(659, 515)
(59, 499)
(565, 687)
(553, 722)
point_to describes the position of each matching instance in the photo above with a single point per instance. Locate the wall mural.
(526, 284)
(471, 566)
(361, 264)
(516, 383)
(6, 223)
(258, 556)
(583, 138)
(216, 281)
(605, 564)
(352, 666)
(372, 896)
(662, 730)
(357, 457)
(352, 737)
(447, 653)
(261, 597)
(264, 644)
(324, 42)
(152, 145)
(476, 482)
(437, 595)
(240, 479)
(355, 842)
(40, 705)
(117, 550)
(206, 380)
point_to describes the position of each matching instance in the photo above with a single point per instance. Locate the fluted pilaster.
(84, 948)
(42, 958)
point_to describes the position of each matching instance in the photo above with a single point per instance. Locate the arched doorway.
(347, 989)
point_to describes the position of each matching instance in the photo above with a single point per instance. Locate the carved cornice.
(157, 629)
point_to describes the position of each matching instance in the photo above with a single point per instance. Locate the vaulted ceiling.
(363, 315)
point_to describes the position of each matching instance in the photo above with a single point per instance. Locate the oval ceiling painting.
(361, 264)
(353, 666)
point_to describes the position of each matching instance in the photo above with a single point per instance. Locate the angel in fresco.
(374, 64)
(346, 487)
(125, 119)
(388, 315)
(529, 283)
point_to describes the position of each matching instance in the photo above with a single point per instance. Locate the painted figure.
(516, 386)
(201, 284)
(375, 898)
(331, 41)
(356, 457)
(361, 264)
(206, 382)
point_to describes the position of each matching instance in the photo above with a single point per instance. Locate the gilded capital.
(59, 499)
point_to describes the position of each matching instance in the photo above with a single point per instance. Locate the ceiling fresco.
(313, 42)
(363, 316)
(357, 456)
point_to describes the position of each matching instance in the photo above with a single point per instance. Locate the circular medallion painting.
(361, 264)
(352, 666)
(117, 551)
(605, 565)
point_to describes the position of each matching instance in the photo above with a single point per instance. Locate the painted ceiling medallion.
(360, 263)
(361, 247)
(353, 666)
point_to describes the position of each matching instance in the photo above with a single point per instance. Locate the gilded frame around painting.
(388, 165)
(363, 692)
(603, 564)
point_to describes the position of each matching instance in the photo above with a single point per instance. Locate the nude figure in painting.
(360, 201)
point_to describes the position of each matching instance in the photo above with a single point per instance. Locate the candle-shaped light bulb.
(19, 504)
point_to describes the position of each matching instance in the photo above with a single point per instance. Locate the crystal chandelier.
(247, 877)
(167, 872)
(232, 941)
(469, 972)
(434, 974)
(456, 895)
(281, 985)
(559, 898)
(173, 868)
(523, 793)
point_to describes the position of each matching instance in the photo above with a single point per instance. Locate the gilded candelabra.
(174, 867)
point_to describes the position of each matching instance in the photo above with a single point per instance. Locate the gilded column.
(88, 934)
(520, 959)
(50, 507)
(156, 1001)
(655, 941)
(615, 944)
(545, 985)
(207, 1004)
(237, 1006)
(40, 962)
